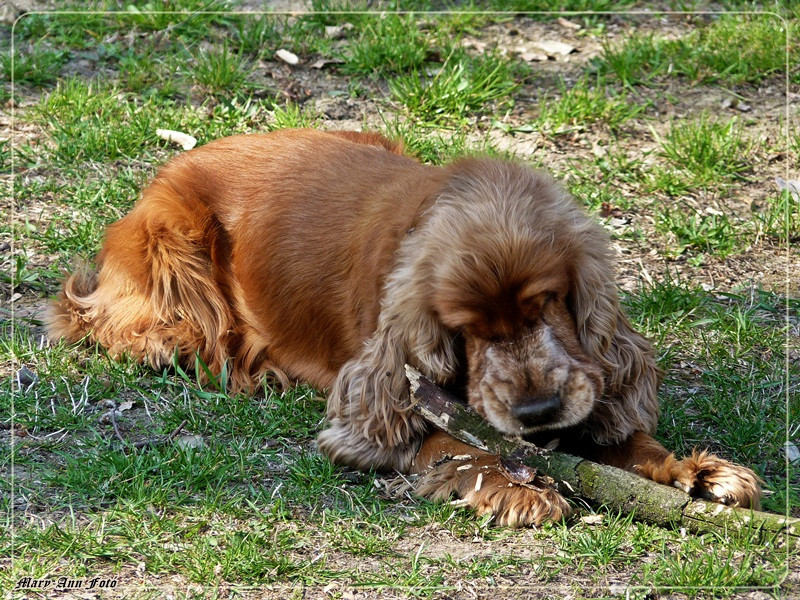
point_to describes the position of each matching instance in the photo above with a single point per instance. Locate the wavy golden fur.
(334, 259)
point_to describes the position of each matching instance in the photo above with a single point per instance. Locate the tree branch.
(600, 484)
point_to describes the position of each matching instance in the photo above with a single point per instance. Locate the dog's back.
(238, 251)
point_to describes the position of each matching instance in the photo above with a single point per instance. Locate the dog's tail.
(159, 286)
(66, 317)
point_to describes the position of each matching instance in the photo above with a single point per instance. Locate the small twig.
(147, 408)
(116, 428)
(158, 442)
(84, 396)
(177, 430)
(53, 434)
(69, 391)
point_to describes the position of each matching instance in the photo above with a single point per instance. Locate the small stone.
(554, 48)
(287, 57)
(26, 378)
(189, 441)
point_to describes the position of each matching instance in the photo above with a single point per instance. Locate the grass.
(219, 71)
(386, 46)
(257, 36)
(242, 497)
(584, 104)
(709, 233)
(733, 343)
(779, 218)
(603, 543)
(729, 50)
(187, 18)
(36, 66)
(692, 569)
(84, 117)
(462, 86)
(707, 150)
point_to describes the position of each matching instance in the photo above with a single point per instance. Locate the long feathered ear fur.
(631, 377)
(371, 425)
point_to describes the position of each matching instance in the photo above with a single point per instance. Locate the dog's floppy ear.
(370, 424)
(631, 376)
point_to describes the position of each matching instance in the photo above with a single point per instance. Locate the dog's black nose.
(536, 410)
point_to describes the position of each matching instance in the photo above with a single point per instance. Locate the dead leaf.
(337, 31)
(616, 223)
(8, 14)
(287, 57)
(592, 519)
(737, 103)
(792, 452)
(598, 150)
(326, 61)
(109, 416)
(125, 406)
(477, 44)
(189, 441)
(793, 186)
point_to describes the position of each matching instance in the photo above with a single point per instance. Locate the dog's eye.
(533, 305)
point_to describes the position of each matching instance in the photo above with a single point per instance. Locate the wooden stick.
(600, 484)
(144, 443)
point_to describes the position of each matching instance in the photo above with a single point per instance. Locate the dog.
(333, 258)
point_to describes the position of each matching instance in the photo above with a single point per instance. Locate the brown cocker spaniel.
(334, 259)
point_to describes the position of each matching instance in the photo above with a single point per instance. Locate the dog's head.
(527, 282)
(527, 370)
(505, 261)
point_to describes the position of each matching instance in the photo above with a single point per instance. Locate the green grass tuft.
(710, 232)
(386, 46)
(259, 36)
(583, 104)
(37, 65)
(461, 87)
(708, 151)
(732, 50)
(219, 71)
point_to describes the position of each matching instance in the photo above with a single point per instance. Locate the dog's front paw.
(704, 475)
(514, 494)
